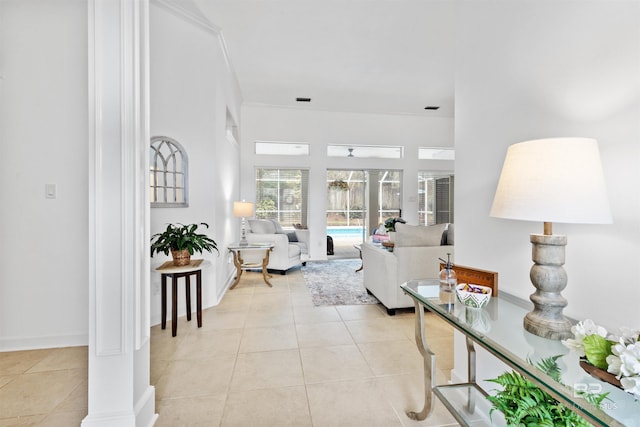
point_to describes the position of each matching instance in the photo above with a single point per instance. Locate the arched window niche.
(168, 173)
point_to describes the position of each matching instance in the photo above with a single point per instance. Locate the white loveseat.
(415, 256)
(291, 248)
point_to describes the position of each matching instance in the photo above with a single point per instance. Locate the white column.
(119, 389)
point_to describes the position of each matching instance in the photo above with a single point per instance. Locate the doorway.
(358, 202)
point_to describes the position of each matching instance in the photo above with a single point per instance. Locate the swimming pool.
(345, 232)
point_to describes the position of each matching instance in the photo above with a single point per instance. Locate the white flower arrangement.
(618, 354)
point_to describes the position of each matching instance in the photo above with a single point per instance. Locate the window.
(282, 148)
(435, 198)
(436, 153)
(282, 194)
(366, 151)
(168, 173)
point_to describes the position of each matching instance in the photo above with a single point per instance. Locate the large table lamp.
(243, 210)
(551, 180)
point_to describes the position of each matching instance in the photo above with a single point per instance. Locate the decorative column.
(119, 389)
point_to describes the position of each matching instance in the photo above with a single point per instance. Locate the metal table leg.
(429, 366)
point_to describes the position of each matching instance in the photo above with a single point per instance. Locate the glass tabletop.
(237, 246)
(498, 328)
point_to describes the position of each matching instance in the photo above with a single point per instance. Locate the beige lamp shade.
(242, 209)
(553, 180)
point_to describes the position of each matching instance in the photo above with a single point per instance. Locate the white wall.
(43, 140)
(321, 128)
(191, 90)
(534, 69)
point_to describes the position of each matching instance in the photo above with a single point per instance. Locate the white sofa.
(415, 256)
(291, 248)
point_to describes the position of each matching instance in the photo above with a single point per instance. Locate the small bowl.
(474, 296)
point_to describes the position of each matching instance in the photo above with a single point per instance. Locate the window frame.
(175, 150)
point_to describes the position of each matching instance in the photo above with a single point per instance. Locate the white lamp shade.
(553, 180)
(242, 209)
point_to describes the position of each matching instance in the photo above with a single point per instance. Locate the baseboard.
(145, 409)
(33, 343)
(123, 419)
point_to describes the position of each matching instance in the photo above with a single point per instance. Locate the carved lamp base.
(549, 278)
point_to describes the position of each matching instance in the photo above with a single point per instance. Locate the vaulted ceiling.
(369, 56)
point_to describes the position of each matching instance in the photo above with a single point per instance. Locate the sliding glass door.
(385, 196)
(346, 205)
(358, 201)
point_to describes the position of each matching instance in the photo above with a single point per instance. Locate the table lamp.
(243, 210)
(551, 180)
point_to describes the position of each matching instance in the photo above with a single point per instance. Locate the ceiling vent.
(303, 99)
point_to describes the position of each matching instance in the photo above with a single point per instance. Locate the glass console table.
(498, 329)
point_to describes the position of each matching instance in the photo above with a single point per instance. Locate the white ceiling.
(370, 56)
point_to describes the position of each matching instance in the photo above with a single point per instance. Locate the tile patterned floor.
(264, 357)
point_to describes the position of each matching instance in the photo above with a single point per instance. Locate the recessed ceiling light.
(303, 99)
(431, 107)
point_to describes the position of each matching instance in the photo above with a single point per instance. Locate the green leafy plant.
(524, 404)
(597, 350)
(178, 237)
(390, 223)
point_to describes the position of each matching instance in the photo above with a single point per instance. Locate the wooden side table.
(237, 250)
(176, 272)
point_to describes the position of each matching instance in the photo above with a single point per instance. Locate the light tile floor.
(264, 357)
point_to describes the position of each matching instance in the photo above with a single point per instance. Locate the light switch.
(50, 191)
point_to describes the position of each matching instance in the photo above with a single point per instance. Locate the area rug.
(336, 282)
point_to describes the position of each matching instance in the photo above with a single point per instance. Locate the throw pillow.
(277, 225)
(419, 235)
(443, 240)
(293, 237)
(262, 226)
(450, 235)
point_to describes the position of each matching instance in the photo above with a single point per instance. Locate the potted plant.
(524, 404)
(338, 184)
(390, 226)
(390, 223)
(182, 241)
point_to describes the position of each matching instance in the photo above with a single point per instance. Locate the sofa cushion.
(419, 235)
(302, 246)
(262, 226)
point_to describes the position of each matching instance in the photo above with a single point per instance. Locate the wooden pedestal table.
(176, 272)
(236, 249)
